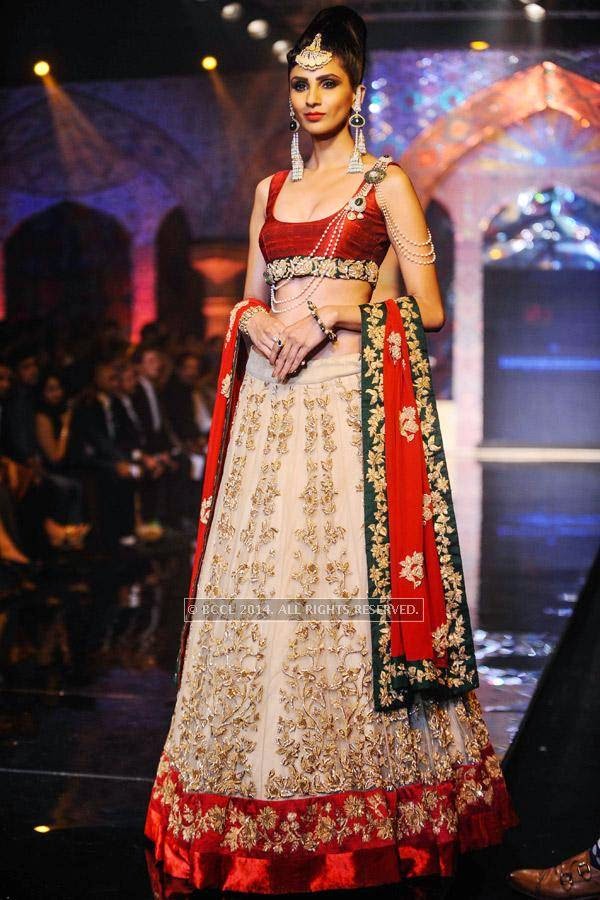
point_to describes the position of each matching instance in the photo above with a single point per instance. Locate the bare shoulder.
(395, 175)
(396, 185)
(262, 188)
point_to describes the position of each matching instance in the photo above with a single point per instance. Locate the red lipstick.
(314, 117)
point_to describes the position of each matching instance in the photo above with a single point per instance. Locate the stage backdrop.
(151, 184)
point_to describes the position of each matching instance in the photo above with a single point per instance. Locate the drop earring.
(358, 122)
(297, 161)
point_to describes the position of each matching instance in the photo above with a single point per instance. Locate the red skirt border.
(350, 839)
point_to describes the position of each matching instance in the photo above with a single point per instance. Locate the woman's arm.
(54, 449)
(255, 284)
(388, 280)
(262, 326)
(420, 280)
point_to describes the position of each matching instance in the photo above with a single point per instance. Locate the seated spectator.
(185, 407)
(97, 427)
(21, 442)
(64, 522)
(10, 482)
(160, 439)
(158, 432)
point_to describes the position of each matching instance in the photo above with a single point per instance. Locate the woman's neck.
(330, 155)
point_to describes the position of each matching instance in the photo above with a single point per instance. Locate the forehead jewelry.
(312, 57)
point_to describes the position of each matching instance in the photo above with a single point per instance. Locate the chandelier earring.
(297, 161)
(358, 122)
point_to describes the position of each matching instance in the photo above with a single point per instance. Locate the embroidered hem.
(348, 839)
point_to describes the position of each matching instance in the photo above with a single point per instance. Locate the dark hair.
(344, 33)
(181, 358)
(52, 410)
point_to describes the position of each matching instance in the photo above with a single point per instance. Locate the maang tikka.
(313, 57)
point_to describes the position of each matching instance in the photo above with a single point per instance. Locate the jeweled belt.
(329, 267)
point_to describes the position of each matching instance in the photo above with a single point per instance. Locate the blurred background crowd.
(102, 442)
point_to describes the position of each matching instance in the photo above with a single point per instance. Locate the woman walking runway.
(340, 743)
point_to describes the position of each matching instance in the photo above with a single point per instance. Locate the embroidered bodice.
(361, 248)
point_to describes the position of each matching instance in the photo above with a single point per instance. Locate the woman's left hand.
(299, 339)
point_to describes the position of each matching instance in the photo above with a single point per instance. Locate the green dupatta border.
(395, 682)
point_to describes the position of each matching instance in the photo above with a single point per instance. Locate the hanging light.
(231, 12)
(258, 29)
(535, 12)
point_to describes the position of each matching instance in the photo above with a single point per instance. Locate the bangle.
(328, 332)
(246, 316)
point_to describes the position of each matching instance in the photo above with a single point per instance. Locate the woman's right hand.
(262, 329)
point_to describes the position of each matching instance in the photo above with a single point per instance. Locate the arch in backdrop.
(465, 161)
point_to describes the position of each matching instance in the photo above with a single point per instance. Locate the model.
(338, 743)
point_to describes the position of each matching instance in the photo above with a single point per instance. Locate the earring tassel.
(362, 147)
(356, 163)
(297, 161)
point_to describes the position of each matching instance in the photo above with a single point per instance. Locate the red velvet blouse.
(363, 239)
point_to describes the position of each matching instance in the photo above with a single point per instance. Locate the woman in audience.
(64, 522)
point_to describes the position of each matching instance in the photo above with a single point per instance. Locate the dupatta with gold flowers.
(420, 629)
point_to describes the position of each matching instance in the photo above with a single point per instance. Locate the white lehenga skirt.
(277, 774)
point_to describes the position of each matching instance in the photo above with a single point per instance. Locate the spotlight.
(479, 45)
(231, 12)
(209, 63)
(42, 829)
(41, 68)
(535, 12)
(258, 28)
(280, 48)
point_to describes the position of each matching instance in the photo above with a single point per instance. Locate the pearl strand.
(336, 222)
(313, 280)
(423, 259)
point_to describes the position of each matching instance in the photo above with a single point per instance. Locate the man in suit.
(160, 440)
(181, 401)
(99, 448)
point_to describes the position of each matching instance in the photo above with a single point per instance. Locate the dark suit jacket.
(130, 434)
(154, 441)
(179, 403)
(20, 434)
(91, 443)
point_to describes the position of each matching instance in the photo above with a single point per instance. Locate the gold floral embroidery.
(226, 385)
(439, 639)
(336, 572)
(412, 568)
(408, 422)
(427, 507)
(351, 397)
(216, 716)
(205, 509)
(328, 267)
(394, 346)
(232, 315)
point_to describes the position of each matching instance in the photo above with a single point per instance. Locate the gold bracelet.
(246, 316)
(328, 332)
